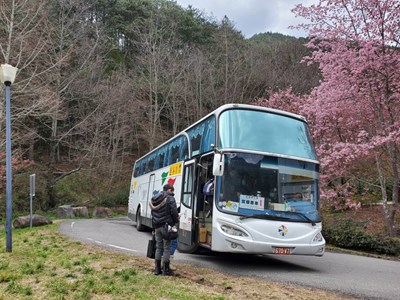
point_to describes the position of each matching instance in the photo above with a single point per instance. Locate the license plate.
(282, 251)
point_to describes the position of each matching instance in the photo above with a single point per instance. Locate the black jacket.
(164, 210)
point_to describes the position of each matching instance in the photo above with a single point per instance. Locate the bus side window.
(188, 186)
(183, 149)
(151, 165)
(158, 159)
(165, 156)
(175, 154)
(136, 173)
(196, 144)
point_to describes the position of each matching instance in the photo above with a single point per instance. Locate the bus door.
(187, 220)
(205, 199)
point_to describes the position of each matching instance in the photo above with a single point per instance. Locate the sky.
(254, 16)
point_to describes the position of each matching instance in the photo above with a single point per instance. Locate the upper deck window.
(202, 136)
(172, 152)
(265, 132)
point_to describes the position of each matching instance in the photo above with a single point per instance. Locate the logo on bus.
(282, 230)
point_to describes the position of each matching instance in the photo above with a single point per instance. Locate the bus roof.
(223, 108)
(254, 107)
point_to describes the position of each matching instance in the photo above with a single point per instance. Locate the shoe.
(157, 269)
(166, 270)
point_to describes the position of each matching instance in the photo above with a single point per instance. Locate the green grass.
(46, 265)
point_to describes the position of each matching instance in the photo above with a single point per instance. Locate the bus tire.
(186, 248)
(139, 223)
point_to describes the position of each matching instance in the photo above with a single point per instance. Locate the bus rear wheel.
(139, 223)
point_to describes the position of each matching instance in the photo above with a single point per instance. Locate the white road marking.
(110, 245)
(122, 248)
(97, 242)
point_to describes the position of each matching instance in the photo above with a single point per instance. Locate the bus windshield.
(269, 187)
(265, 132)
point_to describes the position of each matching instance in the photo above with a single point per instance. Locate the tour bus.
(265, 175)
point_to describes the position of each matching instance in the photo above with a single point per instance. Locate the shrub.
(349, 234)
(116, 198)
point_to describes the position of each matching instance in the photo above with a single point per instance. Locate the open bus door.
(195, 217)
(187, 221)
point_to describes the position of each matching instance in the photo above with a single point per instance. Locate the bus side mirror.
(218, 164)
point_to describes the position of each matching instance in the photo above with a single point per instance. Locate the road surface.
(357, 276)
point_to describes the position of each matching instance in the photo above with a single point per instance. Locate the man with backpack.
(163, 210)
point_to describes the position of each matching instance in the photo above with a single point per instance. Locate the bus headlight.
(233, 231)
(318, 238)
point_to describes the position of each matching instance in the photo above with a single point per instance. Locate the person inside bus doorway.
(208, 192)
(163, 210)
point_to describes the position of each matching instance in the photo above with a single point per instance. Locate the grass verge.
(47, 265)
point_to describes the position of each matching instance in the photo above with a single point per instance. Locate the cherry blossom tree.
(284, 100)
(19, 165)
(355, 109)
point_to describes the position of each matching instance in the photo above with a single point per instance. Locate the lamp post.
(7, 76)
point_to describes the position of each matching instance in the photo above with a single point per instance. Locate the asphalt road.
(357, 276)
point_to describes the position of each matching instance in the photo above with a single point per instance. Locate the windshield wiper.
(304, 216)
(278, 217)
(264, 216)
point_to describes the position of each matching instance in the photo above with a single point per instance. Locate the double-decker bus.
(265, 183)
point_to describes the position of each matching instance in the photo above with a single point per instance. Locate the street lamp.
(7, 76)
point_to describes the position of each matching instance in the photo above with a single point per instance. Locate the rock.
(123, 210)
(37, 220)
(81, 211)
(65, 211)
(102, 212)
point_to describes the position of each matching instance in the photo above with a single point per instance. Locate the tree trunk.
(389, 212)
(393, 156)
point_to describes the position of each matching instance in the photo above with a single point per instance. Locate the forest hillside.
(100, 83)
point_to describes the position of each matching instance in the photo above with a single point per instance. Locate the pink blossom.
(354, 113)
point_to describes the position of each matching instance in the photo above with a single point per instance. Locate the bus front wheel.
(139, 224)
(187, 248)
